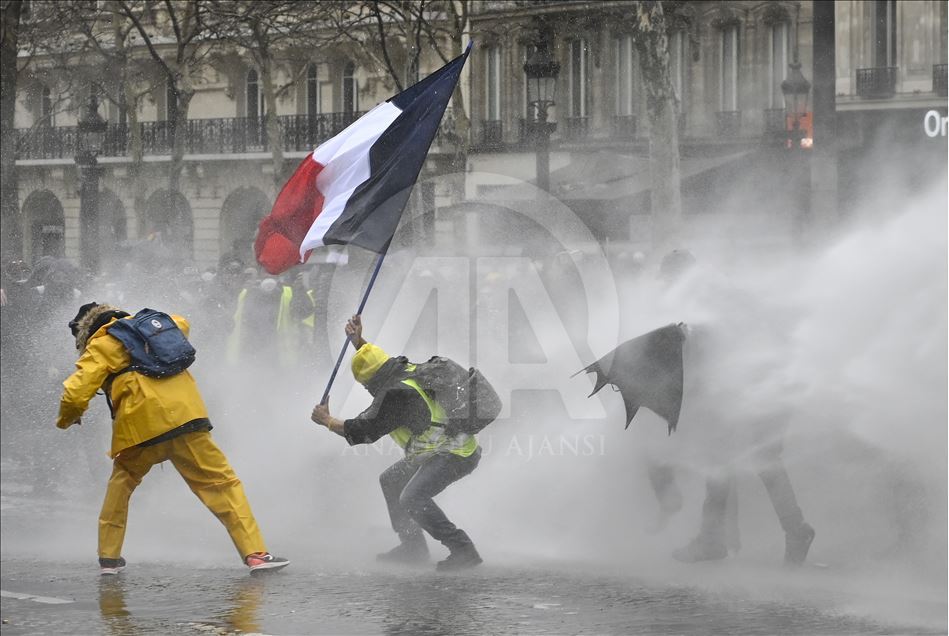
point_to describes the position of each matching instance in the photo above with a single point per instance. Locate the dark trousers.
(720, 488)
(409, 485)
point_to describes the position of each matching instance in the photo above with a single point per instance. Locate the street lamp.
(796, 90)
(541, 71)
(92, 130)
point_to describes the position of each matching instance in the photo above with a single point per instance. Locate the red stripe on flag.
(280, 234)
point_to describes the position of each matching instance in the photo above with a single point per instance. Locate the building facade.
(727, 62)
(891, 97)
(228, 182)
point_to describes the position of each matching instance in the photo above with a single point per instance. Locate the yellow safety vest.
(433, 439)
(286, 346)
(310, 320)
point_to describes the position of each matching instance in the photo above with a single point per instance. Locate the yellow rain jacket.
(144, 407)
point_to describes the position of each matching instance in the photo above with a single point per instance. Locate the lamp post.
(541, 71)
(796, 90)
(88, 144)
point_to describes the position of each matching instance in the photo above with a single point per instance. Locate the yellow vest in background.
(286, 343)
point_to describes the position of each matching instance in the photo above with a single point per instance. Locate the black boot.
(461, 558)
(797, 544)
(406, 553)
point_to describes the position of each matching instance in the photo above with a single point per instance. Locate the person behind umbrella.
(709, 357)
(154, 420)
(433, 458)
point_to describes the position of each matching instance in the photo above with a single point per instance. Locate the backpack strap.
(107, 391)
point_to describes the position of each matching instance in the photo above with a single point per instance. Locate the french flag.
(352, 189)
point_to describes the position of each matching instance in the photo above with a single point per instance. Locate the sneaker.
(797, 544)
(460, 559)
(700, 549)
(412, 553)
(109, 567)
(265, 561)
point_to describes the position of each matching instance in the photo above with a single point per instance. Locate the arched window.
(45, 224)
(312, 90)
(350, 90)
(253, 108)
(169, 222)
(241, 214)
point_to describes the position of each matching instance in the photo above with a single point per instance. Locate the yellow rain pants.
(206, 471)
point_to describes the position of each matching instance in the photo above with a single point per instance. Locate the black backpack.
(157, 346)
(469, 400)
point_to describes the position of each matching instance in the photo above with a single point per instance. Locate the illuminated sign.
(935, 124)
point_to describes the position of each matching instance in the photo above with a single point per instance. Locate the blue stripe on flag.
(373, 211)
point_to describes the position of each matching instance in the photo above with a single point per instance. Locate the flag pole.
(362, 305)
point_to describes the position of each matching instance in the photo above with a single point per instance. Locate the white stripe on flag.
(345, 160)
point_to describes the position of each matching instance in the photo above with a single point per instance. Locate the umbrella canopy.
(647, 371)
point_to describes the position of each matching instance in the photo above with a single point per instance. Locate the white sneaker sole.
(269, 566)
(111, 571)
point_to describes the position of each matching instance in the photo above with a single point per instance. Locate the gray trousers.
(410, 485)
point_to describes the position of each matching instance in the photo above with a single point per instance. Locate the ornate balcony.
(876, 83)
(939, 79)
(46, 142)
(728, 123)
(226, 135)
(624, 126)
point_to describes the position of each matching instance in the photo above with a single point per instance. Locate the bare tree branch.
(384, 46)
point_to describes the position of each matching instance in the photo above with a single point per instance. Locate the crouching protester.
(434, 457)
(140, 363)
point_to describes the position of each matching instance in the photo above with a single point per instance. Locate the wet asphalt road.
(156, 598)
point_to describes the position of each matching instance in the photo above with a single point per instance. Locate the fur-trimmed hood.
(93, 320)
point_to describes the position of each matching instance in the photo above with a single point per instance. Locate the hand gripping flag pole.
(353, 188)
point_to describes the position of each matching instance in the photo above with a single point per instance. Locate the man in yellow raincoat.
(154, 420)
